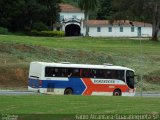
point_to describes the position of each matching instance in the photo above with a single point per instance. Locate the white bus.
(81, 79)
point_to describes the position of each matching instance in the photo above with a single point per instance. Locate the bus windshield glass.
(130, 79)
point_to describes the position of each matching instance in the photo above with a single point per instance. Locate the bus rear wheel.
(117, 92)
(68, 91)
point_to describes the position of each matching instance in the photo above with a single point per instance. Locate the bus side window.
(84, 73)
(121, 75)
(49, 71)
(60, 72)
(55, 73)
(70, 72)
(64, 72)
(74, 72)
(108, 74)
(94, 72)
(114, 74)
(100, 73)
(88, 73)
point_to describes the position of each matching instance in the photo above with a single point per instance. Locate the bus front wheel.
(117, 92)
(68, 91)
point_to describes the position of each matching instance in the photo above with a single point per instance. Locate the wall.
(159, 33)
(70, 15)
(145, 32)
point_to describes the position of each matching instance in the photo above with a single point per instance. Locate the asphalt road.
(148, 94)
(17, 92)
(14, 92)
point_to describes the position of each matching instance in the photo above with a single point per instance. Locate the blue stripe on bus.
(75, 83)
(34, 83)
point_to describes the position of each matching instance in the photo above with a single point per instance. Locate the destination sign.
(104, 81)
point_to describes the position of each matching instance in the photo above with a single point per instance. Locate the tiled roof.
(69, 8)
(116, 23)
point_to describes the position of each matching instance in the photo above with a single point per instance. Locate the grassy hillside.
(16, 52)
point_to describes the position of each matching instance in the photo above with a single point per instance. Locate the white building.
(119, 28)
(72, 22)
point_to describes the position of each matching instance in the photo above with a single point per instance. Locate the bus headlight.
(131, 90)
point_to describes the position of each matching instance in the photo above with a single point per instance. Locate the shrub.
(3, 30)
(53, 33)
(34, 33)
(40, 26)
(47, 33)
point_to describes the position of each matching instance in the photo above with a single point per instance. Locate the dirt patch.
(14, 77)
(23, 48)
(153, 77)
(21, 74)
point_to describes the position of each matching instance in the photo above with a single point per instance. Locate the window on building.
(61, 17)
(132, 29)
(109, 29)
(121, 29)
(98, 29)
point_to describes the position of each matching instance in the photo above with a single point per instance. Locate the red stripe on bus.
(91, 87)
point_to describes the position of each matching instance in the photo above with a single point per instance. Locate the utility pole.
(141, 61)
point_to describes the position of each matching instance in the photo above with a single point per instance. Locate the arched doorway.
(72, 30)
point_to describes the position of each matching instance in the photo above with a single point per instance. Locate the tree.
(20, 15)
(31, 13)
(143, 10)
(155, 17)
(87, 6)
(72, 2)
(51, 13)
(8, 11)
(104, 9)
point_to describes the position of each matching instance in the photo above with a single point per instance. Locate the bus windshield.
(130, 79)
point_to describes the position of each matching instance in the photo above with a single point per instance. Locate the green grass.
(91, 44)
(120, 51)
(46, 104)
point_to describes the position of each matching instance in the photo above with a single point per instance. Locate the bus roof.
(70, 65)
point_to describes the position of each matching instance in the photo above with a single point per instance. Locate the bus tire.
(68, 91)
(117, 92)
